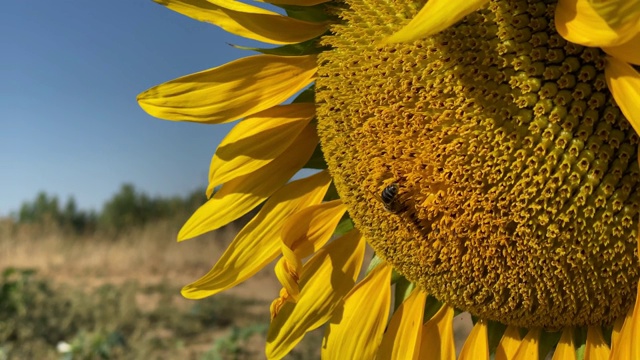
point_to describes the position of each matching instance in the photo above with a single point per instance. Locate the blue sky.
(70, 71)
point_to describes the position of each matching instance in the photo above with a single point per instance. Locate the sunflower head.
(485, 149)
(517, 171)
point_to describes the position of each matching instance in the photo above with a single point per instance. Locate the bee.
(389, 198)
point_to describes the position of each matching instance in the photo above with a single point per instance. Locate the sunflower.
(486, 150)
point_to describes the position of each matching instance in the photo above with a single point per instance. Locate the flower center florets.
(516, 172)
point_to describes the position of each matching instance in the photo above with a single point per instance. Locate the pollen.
(517, 173)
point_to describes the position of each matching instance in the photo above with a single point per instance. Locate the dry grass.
(149, 255)
(158, 266)
(152, 260)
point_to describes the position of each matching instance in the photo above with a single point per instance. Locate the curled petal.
(258, 243)
(303, 234)
(326, 279)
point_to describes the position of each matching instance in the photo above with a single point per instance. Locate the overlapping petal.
(622, 15)
(566, 349)
(234, 90)
(624, 83)
(627, 347)
(304, 233)
(628, 51)
(528, 349)
(509, 344)
(402, 339)
(325, 280)
(437, 336)
(578, 22)
(248, 21)
(477, 345)
(240, 195)
(258, 243)
(596, 347)
(435, 16)
(356, 329)
(257, 140)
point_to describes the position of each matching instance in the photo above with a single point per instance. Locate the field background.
(106, 285)
(118, 297)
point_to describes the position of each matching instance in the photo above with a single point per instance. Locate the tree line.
(128, 208)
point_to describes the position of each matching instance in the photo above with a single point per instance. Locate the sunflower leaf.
(581, 342)
(308, 47)
(374, 262)
(317, 160)
(431, 307)
(403, 289)
(344, 226)
(495, 331)
(306, 95)
(316, 13)
(547, 342)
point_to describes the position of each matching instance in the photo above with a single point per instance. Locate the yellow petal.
(240, 195)
(231, 91)
(615, 335)
(296, 2)
(257, 140)
(566, 349)
(356, 329)
(627, 346)
(624, 84)
(508, 344)
(326, 279)
(627, 52)
(528, 349)
(437, 336)
(578, 22)
(247, 21)
(304, 233)
(401, 341)
(258, 243)
(309, 229)
(621, 15)
(477, 345)
(435, 16)
(596, 348)
(633, 342)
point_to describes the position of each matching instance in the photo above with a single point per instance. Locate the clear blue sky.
(70, 71)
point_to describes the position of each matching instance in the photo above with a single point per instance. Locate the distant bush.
(46, 209)
(127, 209)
